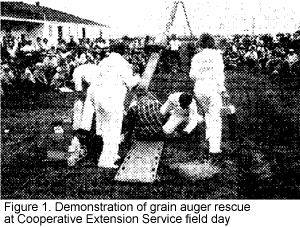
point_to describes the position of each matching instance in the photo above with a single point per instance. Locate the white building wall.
(49, 30)
(30, 30)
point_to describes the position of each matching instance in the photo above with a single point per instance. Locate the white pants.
(108, 106)
(212, 105)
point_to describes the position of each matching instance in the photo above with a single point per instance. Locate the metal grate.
(141, 163)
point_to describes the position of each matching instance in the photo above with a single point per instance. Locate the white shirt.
(292, 58)
(251, 55)
(207, 70)
(172, 106)
(175, 44)
(116, 70)
(89, 73)
(12, 51)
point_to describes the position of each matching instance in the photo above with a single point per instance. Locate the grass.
(252, 169)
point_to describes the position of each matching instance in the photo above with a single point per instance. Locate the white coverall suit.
(90, 74)
(207, 70)
(106, 99)
(189, 116)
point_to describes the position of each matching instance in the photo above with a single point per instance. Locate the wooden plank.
(141, 162)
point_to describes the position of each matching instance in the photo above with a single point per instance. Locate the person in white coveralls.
(83, 76)
(207, 70)
(183, 110)
(106, 98)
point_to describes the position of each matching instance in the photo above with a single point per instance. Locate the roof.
(23, 10)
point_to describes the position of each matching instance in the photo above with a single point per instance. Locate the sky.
(141, 17)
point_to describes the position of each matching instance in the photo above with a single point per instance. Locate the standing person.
(107, 99)
(174, 52)
(83, 77)
(207, 70)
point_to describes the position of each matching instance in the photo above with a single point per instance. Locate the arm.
(193, 70)
(220, 74)
(193, 118)
(77, 79)
(126, 72)
(167, 106)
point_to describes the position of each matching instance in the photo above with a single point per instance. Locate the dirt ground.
(261, 163)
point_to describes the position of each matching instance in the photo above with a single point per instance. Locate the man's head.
(206, 41)
(185, 100)
(119, 48)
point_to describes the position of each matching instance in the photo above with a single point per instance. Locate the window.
(83, 33)
(50, 31)
(60, 32)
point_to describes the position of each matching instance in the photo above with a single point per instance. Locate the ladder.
(153, 60)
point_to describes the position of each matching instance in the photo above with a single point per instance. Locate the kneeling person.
(183, 110)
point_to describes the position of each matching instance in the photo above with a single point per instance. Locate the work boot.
(82, 136)
(77, 152)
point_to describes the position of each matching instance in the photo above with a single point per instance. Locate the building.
(38, 21)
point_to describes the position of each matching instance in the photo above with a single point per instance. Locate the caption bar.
(142, 212)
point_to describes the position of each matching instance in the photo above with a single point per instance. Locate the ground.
(251, 168)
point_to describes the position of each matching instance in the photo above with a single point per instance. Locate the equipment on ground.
(141, 163)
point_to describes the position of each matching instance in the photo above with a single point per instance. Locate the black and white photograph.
(150, 100)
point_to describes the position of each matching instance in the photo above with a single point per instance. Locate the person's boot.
(83, 136)
(76, 151)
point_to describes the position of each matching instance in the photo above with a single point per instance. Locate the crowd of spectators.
(278, 57)
(40, 67)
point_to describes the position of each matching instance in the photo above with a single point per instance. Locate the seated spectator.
(39, 74)
(71, 45)
(7, 79)
(292, 57)
(27, 76)
(61, 45)
(22, 42)
(39, 46)
(58, 79)
(251, 57)
(28, 49)
(45, 44)
(12, 48)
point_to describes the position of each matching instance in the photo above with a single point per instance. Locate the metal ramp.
(141, 162)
